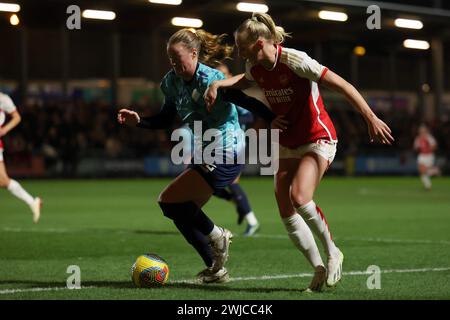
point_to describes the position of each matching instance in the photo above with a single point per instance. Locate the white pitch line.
(385, 240)
(7, 229)
(268, 236)
(265, 236)
(11, 291)
(304, 275)
(265, 277)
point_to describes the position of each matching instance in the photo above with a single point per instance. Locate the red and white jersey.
(6, 107)
(425, 144)
(291, 88)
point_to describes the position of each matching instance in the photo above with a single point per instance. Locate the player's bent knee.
(169, 209)
(165, 196)
(299, 199)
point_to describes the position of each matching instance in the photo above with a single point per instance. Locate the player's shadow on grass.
(30, 284)
(156, 232)
(138, 231)
(226, 288)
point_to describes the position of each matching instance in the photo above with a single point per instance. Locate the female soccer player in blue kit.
(190, 52)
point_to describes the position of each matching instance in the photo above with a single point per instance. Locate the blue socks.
(240, 198)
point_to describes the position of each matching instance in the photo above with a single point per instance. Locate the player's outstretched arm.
(158, 121)
(15, 120)
(128, 117)
(378, 130)
(237, 82)
(253, 105)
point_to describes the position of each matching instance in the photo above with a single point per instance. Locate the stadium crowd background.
(62, 132)
(62, 127)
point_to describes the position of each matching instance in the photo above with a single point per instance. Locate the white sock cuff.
(291, 223)
(216, 232)
(251, 218)
(307, 208)
(290, 220)
(12, 184)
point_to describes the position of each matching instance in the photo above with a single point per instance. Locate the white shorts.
(426, 160)
(324, 148)
(1, 155)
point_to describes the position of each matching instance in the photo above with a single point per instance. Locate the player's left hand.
(210, 96)
(380, 132)
(2, 132)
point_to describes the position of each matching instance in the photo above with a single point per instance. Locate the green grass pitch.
(102, 226)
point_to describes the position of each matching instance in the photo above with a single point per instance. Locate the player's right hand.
(380, 132)
(279, 123)
(128, 117)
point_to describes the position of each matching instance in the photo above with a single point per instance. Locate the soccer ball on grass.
(149, 270)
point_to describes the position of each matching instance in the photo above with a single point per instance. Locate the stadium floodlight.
(252, 7)
(187, 22)
(333, 15)
(359, 51)
(169, 2)
(416, 44)
(14, 20)
(99, 14)
(408, 23)
(9, 7)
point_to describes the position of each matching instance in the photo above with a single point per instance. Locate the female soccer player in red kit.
(425, 145)
(289, 79)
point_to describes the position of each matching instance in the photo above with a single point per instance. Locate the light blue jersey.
(242, 112)
(187, 97)
(245, 117)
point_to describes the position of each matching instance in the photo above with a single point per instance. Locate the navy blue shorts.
(218, 176)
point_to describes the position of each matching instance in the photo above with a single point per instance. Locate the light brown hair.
(211, 49)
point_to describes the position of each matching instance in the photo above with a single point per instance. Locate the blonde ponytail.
(262, 25)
